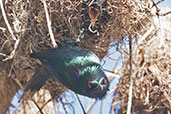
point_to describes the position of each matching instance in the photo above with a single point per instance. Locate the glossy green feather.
(75, 68)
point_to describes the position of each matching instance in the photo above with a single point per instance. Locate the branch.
(131, 79)
(101, 107)
(6, 21)
(91, 106)
(49, 24)
(159, 2)
(63, 105)
(80, 103)
(37, 106)
(164, 14)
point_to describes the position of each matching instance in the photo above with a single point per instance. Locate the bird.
(95, 10)
(77, 69)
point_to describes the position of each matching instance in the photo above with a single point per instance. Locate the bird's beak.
(93, 13)
(101, 87)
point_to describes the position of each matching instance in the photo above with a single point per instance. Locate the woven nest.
(70, 19)
(151, 71)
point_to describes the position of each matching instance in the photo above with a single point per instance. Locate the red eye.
(104, 81)
(89, 85)
(92, 85)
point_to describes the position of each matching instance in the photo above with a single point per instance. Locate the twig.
(73, 110)
(4, 44)
(80, 103)
(70, 106)
(2, 54)
(49, 24)
(46, 103)
(131, 78)
(91, 106)
(13, 52)
(91, 3)
(101, 107)
(108, 70)
(89, 28)
(18, 82)
(3, 29)
(111, 74)
(6, 21)
(63, 105)
(146, 34)
(164, 14)
(159, 2)
(37, 106)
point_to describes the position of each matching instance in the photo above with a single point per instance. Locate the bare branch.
(159, 2)
(37, 106)
(2, 54)
(101, 107)
(49, 24)
(131, 79)
(93, 102)
(6, 21)
(80, 103)
(164, 14)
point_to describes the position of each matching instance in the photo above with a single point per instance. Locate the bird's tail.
(34, 54)
(38, 79)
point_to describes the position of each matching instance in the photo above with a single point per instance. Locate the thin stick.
(89, 28)
(49, 24)
(91, 3)
(164, 14)
(13, 52)
(101, 107)
(146, 34)
(2, 54)
(6, 20)
(159, 2)
(91, 106)
(131, 78)
(80, 104)
(46, 103)
(63, 105)
(37, 106)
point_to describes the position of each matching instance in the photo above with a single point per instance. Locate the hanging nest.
(151, 71)
(70, 20)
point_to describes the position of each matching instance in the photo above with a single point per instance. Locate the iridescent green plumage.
(78, 69)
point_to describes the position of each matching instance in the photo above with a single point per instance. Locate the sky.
(107, 64)
(166, 3)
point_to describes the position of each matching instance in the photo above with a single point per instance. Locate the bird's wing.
(61, 55)
(38, 79)
(64, 62)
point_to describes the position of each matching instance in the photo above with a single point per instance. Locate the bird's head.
(94, 11)
(95, 82)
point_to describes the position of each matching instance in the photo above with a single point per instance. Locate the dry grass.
(31, 29)
(151, 70)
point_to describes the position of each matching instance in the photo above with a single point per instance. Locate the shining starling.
(77, 69)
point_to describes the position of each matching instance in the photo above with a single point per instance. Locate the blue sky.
(85, 100)
(166, 3)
